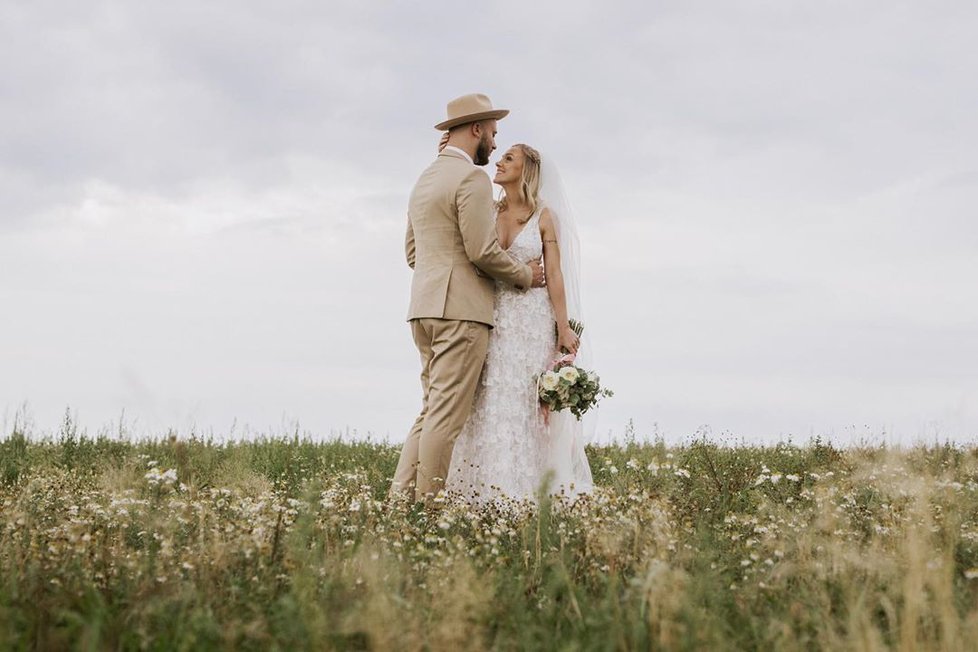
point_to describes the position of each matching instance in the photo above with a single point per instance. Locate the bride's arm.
(566, 337)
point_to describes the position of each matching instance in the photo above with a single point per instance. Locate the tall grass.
(291, 544)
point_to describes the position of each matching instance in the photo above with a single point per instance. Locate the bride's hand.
(567, 340)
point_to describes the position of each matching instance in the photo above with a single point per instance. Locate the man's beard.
(482, 152)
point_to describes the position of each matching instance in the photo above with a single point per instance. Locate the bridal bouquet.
(566, 386)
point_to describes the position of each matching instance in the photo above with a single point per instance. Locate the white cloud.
(204, 205)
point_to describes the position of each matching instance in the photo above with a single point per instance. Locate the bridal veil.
(568, 435)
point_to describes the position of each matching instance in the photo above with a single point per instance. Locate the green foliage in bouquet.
(568, 387)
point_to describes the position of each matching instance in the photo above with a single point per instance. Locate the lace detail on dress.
(503, 447)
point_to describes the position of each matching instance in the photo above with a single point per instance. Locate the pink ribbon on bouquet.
(545, 413)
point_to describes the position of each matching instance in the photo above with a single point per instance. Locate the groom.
(451, 246)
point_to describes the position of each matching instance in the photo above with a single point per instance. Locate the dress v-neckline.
(520, 232)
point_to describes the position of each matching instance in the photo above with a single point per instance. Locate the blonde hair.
(529, 187)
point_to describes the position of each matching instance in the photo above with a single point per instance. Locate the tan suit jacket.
(451, 244)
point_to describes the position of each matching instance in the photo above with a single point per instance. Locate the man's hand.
(539, 280)
(443, 142)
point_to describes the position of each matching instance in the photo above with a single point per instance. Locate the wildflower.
(155, 477)
(971, 574)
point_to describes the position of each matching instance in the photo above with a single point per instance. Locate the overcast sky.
(203, 207)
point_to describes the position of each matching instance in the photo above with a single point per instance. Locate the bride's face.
(510, 167)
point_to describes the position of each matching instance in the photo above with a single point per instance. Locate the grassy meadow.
(290, 544)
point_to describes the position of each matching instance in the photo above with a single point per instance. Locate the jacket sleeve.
(474, 201)
(409, 244)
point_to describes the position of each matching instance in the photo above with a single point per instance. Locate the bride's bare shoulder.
(546, 221)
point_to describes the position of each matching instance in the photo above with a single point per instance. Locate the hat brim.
(496, 114)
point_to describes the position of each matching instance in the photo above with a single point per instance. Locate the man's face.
(487, 143)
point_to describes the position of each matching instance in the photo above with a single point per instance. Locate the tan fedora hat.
(470, 108)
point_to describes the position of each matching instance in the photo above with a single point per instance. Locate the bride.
(509, 448)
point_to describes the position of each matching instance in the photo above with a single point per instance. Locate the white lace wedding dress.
(506, 448)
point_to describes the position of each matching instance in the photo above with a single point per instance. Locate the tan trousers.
(452, 355)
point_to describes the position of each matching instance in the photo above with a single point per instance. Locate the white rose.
(549, 381)
(569, 374)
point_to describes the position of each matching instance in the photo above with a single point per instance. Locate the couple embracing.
(491, 281)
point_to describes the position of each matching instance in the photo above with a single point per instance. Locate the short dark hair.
(468, 124)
